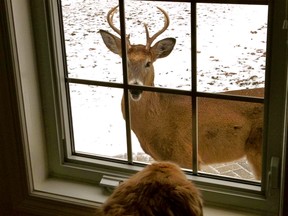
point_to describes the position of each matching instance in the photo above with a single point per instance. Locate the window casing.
(75, 166)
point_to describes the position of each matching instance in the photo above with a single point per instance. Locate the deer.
(228, 130)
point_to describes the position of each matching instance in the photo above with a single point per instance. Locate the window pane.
(231, 44)
(87, 57)
(230, 131)
(98, 124)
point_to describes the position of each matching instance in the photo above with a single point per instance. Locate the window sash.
(193, 93)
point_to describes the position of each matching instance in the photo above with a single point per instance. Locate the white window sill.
(91, 195)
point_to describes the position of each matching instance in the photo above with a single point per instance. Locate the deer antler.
(166, 24)
(110, 15)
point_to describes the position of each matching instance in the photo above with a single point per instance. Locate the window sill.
(83, 194)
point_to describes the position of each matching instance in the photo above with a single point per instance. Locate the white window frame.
(34, 60)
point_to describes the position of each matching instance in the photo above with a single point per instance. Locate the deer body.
(227, 130)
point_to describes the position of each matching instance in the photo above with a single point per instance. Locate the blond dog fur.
(160, 189)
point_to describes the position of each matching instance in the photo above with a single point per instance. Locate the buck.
(227, 129)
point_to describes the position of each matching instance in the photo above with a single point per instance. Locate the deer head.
(140, 58)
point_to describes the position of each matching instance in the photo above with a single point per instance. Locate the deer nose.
(135, 94)
(135, 82)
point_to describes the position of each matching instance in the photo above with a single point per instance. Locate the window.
(62, 104)
(95, 82)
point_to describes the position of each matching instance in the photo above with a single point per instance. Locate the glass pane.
(230, 131)
(87, 56)
(231, 44)
(98, 124)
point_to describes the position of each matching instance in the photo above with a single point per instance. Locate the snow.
(231, 52)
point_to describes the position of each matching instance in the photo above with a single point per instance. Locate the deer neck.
(143, 113)
(149, 101)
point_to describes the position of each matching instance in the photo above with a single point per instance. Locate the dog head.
(159, 189)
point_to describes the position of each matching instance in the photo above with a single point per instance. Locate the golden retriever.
(160, 189)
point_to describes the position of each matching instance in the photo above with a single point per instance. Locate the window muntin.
(111, 69)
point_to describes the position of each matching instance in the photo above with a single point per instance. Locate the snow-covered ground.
(231, 52)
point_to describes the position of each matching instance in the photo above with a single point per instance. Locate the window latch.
(109, 183)
(273, 175)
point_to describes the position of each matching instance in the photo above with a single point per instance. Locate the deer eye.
(148, 64)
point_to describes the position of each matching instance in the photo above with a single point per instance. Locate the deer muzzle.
(135, 93)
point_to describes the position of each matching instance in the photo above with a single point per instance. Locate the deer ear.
(112, 42)
(163, 47)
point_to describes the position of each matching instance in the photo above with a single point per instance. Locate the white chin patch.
(135, 97)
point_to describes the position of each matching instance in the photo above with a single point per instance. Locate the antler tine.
(110, 15)
(166, 24)
(110, 19)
